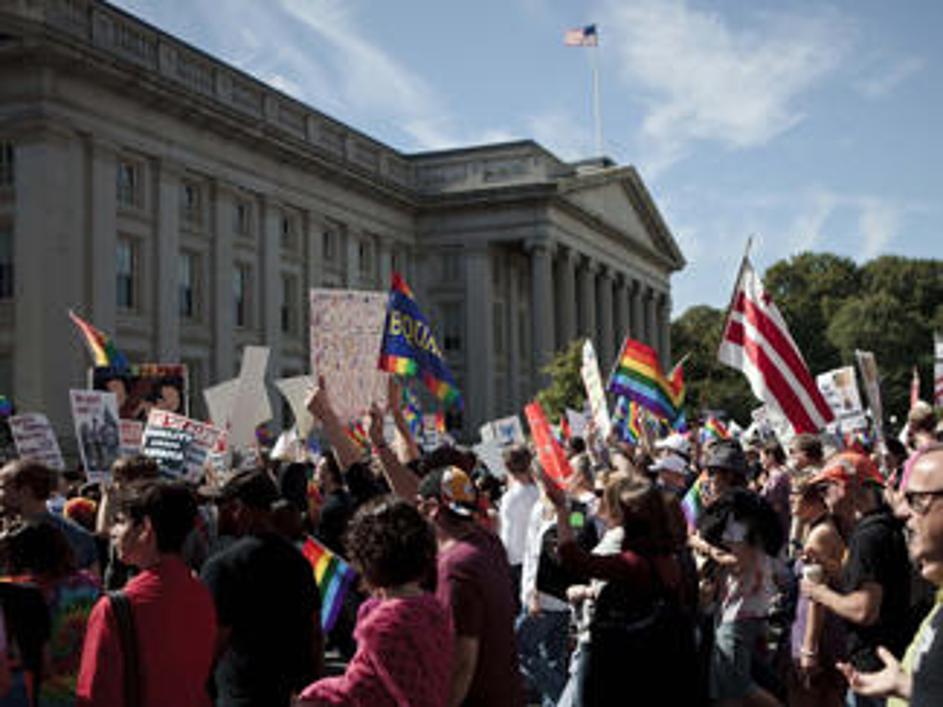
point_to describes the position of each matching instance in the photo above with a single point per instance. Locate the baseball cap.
(848, 467)
(672, 463)
(453, 487)
(676, 443)
(253, 487)
(726, 454)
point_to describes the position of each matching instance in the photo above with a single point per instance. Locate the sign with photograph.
(143, 386)
(95, 415)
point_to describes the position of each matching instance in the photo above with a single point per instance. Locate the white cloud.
(889, 77)
(879, 223)
(700, 78)
(806, 230)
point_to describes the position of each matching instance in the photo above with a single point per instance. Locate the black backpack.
(641, 652)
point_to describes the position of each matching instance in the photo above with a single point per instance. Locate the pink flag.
(757, 342)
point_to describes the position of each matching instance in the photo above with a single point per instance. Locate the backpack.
(641, 652)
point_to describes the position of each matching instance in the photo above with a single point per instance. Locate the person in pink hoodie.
(404, 635)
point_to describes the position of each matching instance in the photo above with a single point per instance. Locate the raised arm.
(319, 405)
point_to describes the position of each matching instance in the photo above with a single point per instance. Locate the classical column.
(566, 303)
(587, 285)
(385, 262)
(621, 325)
(103, 233)
(541, 305)
(223, 311)
(167, 251)
(49, 266)
(638, 315)
(270, 286)
(604, 327)
(664, 341)
(479, 347)
(514, 332)
(651, 337)
(351, 240)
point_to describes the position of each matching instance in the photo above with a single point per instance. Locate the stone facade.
(187, 208)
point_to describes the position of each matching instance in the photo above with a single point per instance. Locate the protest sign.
(595, 392)
(142, 386)
(132, 433)
(578, 422)
(180, 445)
(549, 452)
(346, 331)
(36, 440)
(491, 453)
(868, 366)
(840, 390)
(238, 406)
(95, 415)
(295, 391)
(505, 431)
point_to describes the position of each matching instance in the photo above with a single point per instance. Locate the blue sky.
(806, 124)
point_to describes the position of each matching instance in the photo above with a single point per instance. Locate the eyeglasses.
(921, 501)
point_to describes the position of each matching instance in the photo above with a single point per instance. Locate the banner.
(36, 440)
(142, 386)
(346, 331)
(592, 381)
(549, 452)
(180, 445)
(95, 415)
(504, 431)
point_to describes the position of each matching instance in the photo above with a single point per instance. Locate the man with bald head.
(918, 681)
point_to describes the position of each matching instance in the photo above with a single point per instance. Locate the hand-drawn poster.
(505, 431)
(95, 414)
(595, 392)
(346, 331)
(144, 386)
(36, 440)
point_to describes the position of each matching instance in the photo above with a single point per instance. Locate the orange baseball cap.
(846, 467)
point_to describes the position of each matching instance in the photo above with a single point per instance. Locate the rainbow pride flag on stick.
(625, 420)
(102, 347)
(409, 348)
(714, 429)
(334, 577)
(693, 503)
(638, 376)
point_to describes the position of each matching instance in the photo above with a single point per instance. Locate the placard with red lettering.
(180, 445)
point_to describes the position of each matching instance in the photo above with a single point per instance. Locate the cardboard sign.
(549, 452)
(239, 405)
(346, 332)
(595, 392)
(36, 440)
(868, 366)
(505, 431)
(143, 386)
(180, 445)
(295, 391)
(492, 454)
(95, 415)
(132, 434)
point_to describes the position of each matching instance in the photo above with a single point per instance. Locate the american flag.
(757, 342)
(581, 37)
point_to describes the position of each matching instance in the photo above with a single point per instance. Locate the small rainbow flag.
(356, 431)
(6, 407)
(692, 504)
(334, 577)
(714, 429)
(638, 376)
(102, 347)
(625, 420)
(412, 411)
(409, 348)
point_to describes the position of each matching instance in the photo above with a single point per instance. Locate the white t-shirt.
(514, 515)
(541, 520)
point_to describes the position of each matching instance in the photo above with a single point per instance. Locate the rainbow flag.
(6, 407)
(356, 431)
(638, 376)
(409, 348)
(334, 577)
(102, 347)
(692, 504)
(714, 429)
(412, 412)
(625, 420)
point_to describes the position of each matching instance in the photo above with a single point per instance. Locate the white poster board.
(839, 387)
(36, 440)
(241, 404)
(95, 415)
(595, 392)
(505, 431)
(295, 391)
(180, 445)
(132, 434)
(492, 454)
(346, 332)
(578, 422)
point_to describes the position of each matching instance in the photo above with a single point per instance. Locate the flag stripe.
(764, 375)
(784, 346)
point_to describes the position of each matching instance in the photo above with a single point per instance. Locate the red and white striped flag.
(757, 342)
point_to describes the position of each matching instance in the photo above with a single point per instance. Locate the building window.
(329, 245)
(240, 290)
(497, 314)
(452, 326)
(129, 183)
(243, 218)
(289, 233)
(188, 280)
(126, 268)
(6, 164)
(6, 263)
(289, 304)
(364, 258)
(191, 203)
(451, 267)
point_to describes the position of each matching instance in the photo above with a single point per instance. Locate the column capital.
(540, 243)
(590, 265)
(606, 271)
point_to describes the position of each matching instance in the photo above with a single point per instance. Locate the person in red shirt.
(172, 611)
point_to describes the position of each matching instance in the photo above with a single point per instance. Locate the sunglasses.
(921, 501)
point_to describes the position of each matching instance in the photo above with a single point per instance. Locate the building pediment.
(618, 199)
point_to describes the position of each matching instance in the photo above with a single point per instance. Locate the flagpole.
(596, 116)
(736, 287)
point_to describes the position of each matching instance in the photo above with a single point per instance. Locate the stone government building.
(186, 208)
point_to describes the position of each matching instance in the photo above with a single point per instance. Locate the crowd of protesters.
(681, 570)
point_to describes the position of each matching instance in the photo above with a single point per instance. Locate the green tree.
(566, 383)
